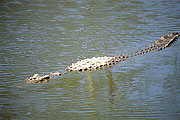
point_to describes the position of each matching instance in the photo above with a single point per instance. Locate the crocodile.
(97, 63)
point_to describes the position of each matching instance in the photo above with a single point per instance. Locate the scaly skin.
(97, 63)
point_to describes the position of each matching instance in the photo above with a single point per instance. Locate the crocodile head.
(38, 79)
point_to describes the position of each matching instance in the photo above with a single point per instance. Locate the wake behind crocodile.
(97, 63)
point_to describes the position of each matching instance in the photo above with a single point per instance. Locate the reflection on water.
(112, 87)
(43, 36)
(91, 86)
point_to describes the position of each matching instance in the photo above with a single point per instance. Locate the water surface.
(40, 36)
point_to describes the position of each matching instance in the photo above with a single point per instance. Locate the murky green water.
(40, 36)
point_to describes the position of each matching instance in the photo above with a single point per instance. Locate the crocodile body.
(97, 63)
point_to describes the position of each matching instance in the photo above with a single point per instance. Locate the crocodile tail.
(172, 38)
(165, 42)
